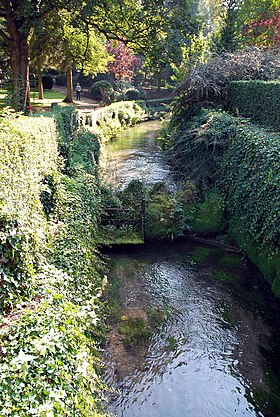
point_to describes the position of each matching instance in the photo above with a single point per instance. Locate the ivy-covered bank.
(50, 268)
(108, 121)
(234, 166)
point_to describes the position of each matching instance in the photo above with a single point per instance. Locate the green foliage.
(224, 276)
(49, 364)
(49, 347)
(108, 121)
(132, 94)
(230, 260)
(28, 156)
(251, 181)
(209, 216)
(135, 331)
(257, 99)
(161, 218)
(102, 90)
(121, 220)
(201, 255)
(196, 146)
(242, 161)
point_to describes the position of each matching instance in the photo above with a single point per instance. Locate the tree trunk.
(69, 97)
(19, 59)
(40, 84)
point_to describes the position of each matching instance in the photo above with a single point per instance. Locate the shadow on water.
(211, 321)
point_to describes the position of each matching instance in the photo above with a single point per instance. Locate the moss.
(171, 341)
(201, 254)
(268, 262)
(226, 314)
(135, 332)
(160, 218)
(156, 317)
(208, 216)
(276, 283)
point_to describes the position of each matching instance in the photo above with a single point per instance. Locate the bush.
(28, 156)
(102, 90)
(132, 94)
(241, 160)
(197, 146)
(47, 81)
(208, 217)
(108, 121)
(259, 100)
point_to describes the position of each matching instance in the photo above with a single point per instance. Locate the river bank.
(193, 329)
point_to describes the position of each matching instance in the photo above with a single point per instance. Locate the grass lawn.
(50, 96)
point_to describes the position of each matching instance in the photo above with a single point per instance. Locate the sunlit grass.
(50, 97)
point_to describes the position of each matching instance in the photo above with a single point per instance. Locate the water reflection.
(135, 155)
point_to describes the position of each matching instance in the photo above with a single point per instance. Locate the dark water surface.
(217, 353)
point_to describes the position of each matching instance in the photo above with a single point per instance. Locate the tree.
(115, 19)
(124, 61)
(263, 29)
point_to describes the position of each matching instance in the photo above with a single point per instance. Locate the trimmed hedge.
(259, 100)
(28, 154)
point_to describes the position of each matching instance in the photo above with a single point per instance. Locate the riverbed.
(213, 350)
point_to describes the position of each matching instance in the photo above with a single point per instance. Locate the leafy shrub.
(197, 146)
(47, 81)
(242, 161)
(28, 155)
(135, 331)
(259, 100)
(108, 121)
(102, 90)
(208, 217)
(132, 94)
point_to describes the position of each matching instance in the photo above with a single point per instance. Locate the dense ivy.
(242, 160)
(28, 154)
(49, 343)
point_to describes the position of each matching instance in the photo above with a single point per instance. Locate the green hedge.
(49, 343)
(259, 100)
(28, 154)
(108, 121)
(242, 160)
(251, 179)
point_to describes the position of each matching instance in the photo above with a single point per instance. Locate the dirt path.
(84, 102)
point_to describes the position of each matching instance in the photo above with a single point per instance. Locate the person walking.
(78, 91)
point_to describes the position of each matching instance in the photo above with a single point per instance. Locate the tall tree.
(116, 19)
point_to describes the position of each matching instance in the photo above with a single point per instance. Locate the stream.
(213, 348)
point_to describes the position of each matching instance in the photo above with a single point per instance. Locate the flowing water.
(215, 349)
(135, 155)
